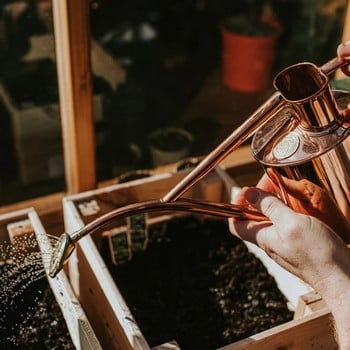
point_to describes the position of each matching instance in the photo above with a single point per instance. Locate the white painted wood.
(78, 325)
(112, 294)
(81, 332)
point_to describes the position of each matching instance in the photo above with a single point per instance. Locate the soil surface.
(33, 320)
(197, 284)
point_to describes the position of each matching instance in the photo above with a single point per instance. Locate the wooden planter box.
(104, 304)
(14, 226)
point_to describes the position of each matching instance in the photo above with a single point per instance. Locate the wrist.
(336, 294)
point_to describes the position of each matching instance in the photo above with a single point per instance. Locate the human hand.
(300, 243)
(304, 246)
(343, 51)
(305, 197)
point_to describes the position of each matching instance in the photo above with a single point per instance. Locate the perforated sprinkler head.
(62, 251)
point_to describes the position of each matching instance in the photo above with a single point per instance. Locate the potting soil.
(198, 285)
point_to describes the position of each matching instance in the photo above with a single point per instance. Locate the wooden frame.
(72, 41)
(75, 90)
(26, 221)
(110, 316)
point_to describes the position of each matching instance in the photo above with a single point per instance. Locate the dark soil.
(198, 285)
(31, 318)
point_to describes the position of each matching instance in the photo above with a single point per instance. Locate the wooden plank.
(43, 205)
(25, 222)
(112, 321)
(311, 332)
(53, 203)
(72, 41)
(77, 322)
(309, 303)
(100, 297)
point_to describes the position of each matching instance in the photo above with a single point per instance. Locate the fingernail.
(347, 43)
(252, 195)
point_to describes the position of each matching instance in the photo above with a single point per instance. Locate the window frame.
(73, 59)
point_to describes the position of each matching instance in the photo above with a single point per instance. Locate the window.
(155, 64)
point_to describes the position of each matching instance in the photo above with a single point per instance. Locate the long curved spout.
(66, 243)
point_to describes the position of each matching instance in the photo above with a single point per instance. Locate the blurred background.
(156, 64)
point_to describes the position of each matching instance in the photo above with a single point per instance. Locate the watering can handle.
(331, 66)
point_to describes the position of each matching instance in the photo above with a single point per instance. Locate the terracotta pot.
(247, 60)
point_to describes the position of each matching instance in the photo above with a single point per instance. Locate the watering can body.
(305, 147)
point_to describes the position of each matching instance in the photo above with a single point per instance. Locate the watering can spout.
(303, 137)
(66, 243)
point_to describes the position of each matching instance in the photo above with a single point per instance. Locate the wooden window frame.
(73, 61)
(73, 58)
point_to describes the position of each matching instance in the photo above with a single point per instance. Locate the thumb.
(269, 205)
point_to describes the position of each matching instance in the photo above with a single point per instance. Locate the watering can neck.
(306, 89)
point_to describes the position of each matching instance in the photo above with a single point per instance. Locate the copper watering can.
(300, 139)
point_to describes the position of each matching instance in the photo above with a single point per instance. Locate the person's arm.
(304, 246)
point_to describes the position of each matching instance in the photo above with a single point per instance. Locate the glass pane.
(165, 66)
(31, 157)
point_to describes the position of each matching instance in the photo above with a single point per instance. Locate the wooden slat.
(309, 303)
(53, 202)
(72, 42)
(43, 205)
(311, 332)
(78, 325)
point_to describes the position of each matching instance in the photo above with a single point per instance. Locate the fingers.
(279, 214)
(284, 220)
(268, 204)
(346, 116)
(264, 201)
(343, 51)
(248, 230)
(237, 195)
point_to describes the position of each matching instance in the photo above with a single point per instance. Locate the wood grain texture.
(72, 42)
